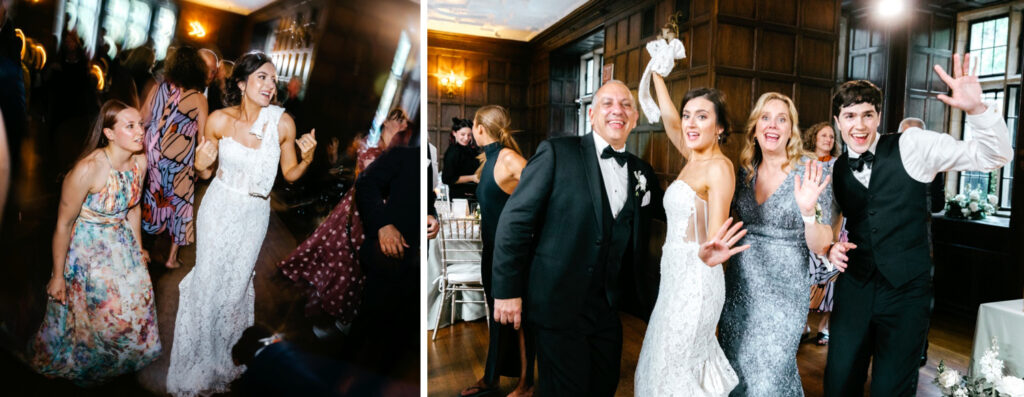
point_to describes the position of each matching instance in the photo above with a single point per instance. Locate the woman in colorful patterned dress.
(328, 261)
(100, 321)
(175, 117)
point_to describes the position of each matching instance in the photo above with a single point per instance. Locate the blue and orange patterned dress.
(108, 326)
(171, 136)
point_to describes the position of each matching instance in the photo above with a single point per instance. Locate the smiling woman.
(247, 140)
(100, 320)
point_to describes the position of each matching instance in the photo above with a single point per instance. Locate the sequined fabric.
(766, 290)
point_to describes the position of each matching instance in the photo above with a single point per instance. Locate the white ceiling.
(244, 7)
(507, 19)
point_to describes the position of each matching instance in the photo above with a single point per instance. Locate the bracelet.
(808, 218)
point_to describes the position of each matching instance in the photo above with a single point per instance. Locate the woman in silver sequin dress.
(777, 190)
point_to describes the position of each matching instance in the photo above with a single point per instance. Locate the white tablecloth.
(1005, 321)
(468, 311)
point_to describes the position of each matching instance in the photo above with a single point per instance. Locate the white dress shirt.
(927, 153)
(615, 176)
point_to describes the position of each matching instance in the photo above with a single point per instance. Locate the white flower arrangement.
(990, 382)
(970, 205)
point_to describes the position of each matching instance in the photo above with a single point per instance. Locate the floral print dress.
(108, 326)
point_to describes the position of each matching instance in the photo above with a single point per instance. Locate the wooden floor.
(25, 262)
(455, 359)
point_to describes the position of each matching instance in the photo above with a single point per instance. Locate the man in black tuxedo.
(882, 301)
(388, 199)
(580, 214)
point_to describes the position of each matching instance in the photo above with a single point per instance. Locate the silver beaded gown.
(766, 298)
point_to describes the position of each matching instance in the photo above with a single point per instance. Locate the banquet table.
(1004, 321)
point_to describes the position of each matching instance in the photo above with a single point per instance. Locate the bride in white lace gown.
(216, 299)
(680, 354)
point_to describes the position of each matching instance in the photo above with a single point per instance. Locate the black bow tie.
(620, 157)
(858, 163)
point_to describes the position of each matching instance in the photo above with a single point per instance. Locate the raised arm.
(670, 116)
(721, 186)
(77, 185)
(291, 167)
(927, 153)
(813, 193)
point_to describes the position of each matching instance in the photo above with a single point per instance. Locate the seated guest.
(460, 160)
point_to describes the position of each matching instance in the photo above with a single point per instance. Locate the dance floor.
(455, 359)
(25, 248)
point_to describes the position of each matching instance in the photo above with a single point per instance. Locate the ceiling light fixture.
(890, 9)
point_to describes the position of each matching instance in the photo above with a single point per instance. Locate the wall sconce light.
(451, 82)
(97, 71)
(21, 35)
(197, 29)
(41, 53)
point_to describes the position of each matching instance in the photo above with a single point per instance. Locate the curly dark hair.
(717, 98)
(185, 68)
(856, 92)
(244, 66)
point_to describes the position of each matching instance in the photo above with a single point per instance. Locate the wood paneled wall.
(742, 47)
(224, 30)
(899, 59)
(497, 73)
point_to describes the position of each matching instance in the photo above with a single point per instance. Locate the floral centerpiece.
(990, 382)
(970, 205)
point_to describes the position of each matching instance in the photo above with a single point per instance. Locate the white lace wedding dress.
(216, 299)
(680, 354)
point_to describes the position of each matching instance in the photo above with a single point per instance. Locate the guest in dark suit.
(577, 217)
(882, 301)
(388, 199)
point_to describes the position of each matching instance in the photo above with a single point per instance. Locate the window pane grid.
(988, 45)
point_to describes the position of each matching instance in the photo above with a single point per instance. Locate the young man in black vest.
(882, 302)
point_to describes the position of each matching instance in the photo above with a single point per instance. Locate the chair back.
(460, 241)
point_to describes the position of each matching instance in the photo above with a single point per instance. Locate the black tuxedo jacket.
(550, 232)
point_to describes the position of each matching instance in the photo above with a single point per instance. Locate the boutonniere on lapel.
(641, 188)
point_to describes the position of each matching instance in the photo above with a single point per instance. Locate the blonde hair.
(810, 138)
(495, 121)
(751, 153)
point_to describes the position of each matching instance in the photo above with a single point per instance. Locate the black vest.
(614, 241)
(888, 220)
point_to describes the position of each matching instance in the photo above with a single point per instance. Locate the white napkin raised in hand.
(663, 59)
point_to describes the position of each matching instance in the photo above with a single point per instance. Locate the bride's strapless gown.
(680, 354)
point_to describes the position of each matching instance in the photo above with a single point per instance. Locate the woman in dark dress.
(509, 352)
(460, 160)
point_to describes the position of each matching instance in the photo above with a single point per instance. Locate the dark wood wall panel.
(735, 46)
(496, 73)
(743, 47)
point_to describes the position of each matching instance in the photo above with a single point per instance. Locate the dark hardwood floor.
(455, 359)
(25, 262)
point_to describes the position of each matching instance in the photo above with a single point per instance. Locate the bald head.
(911, 122)
(614, 113)
(210, 58)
